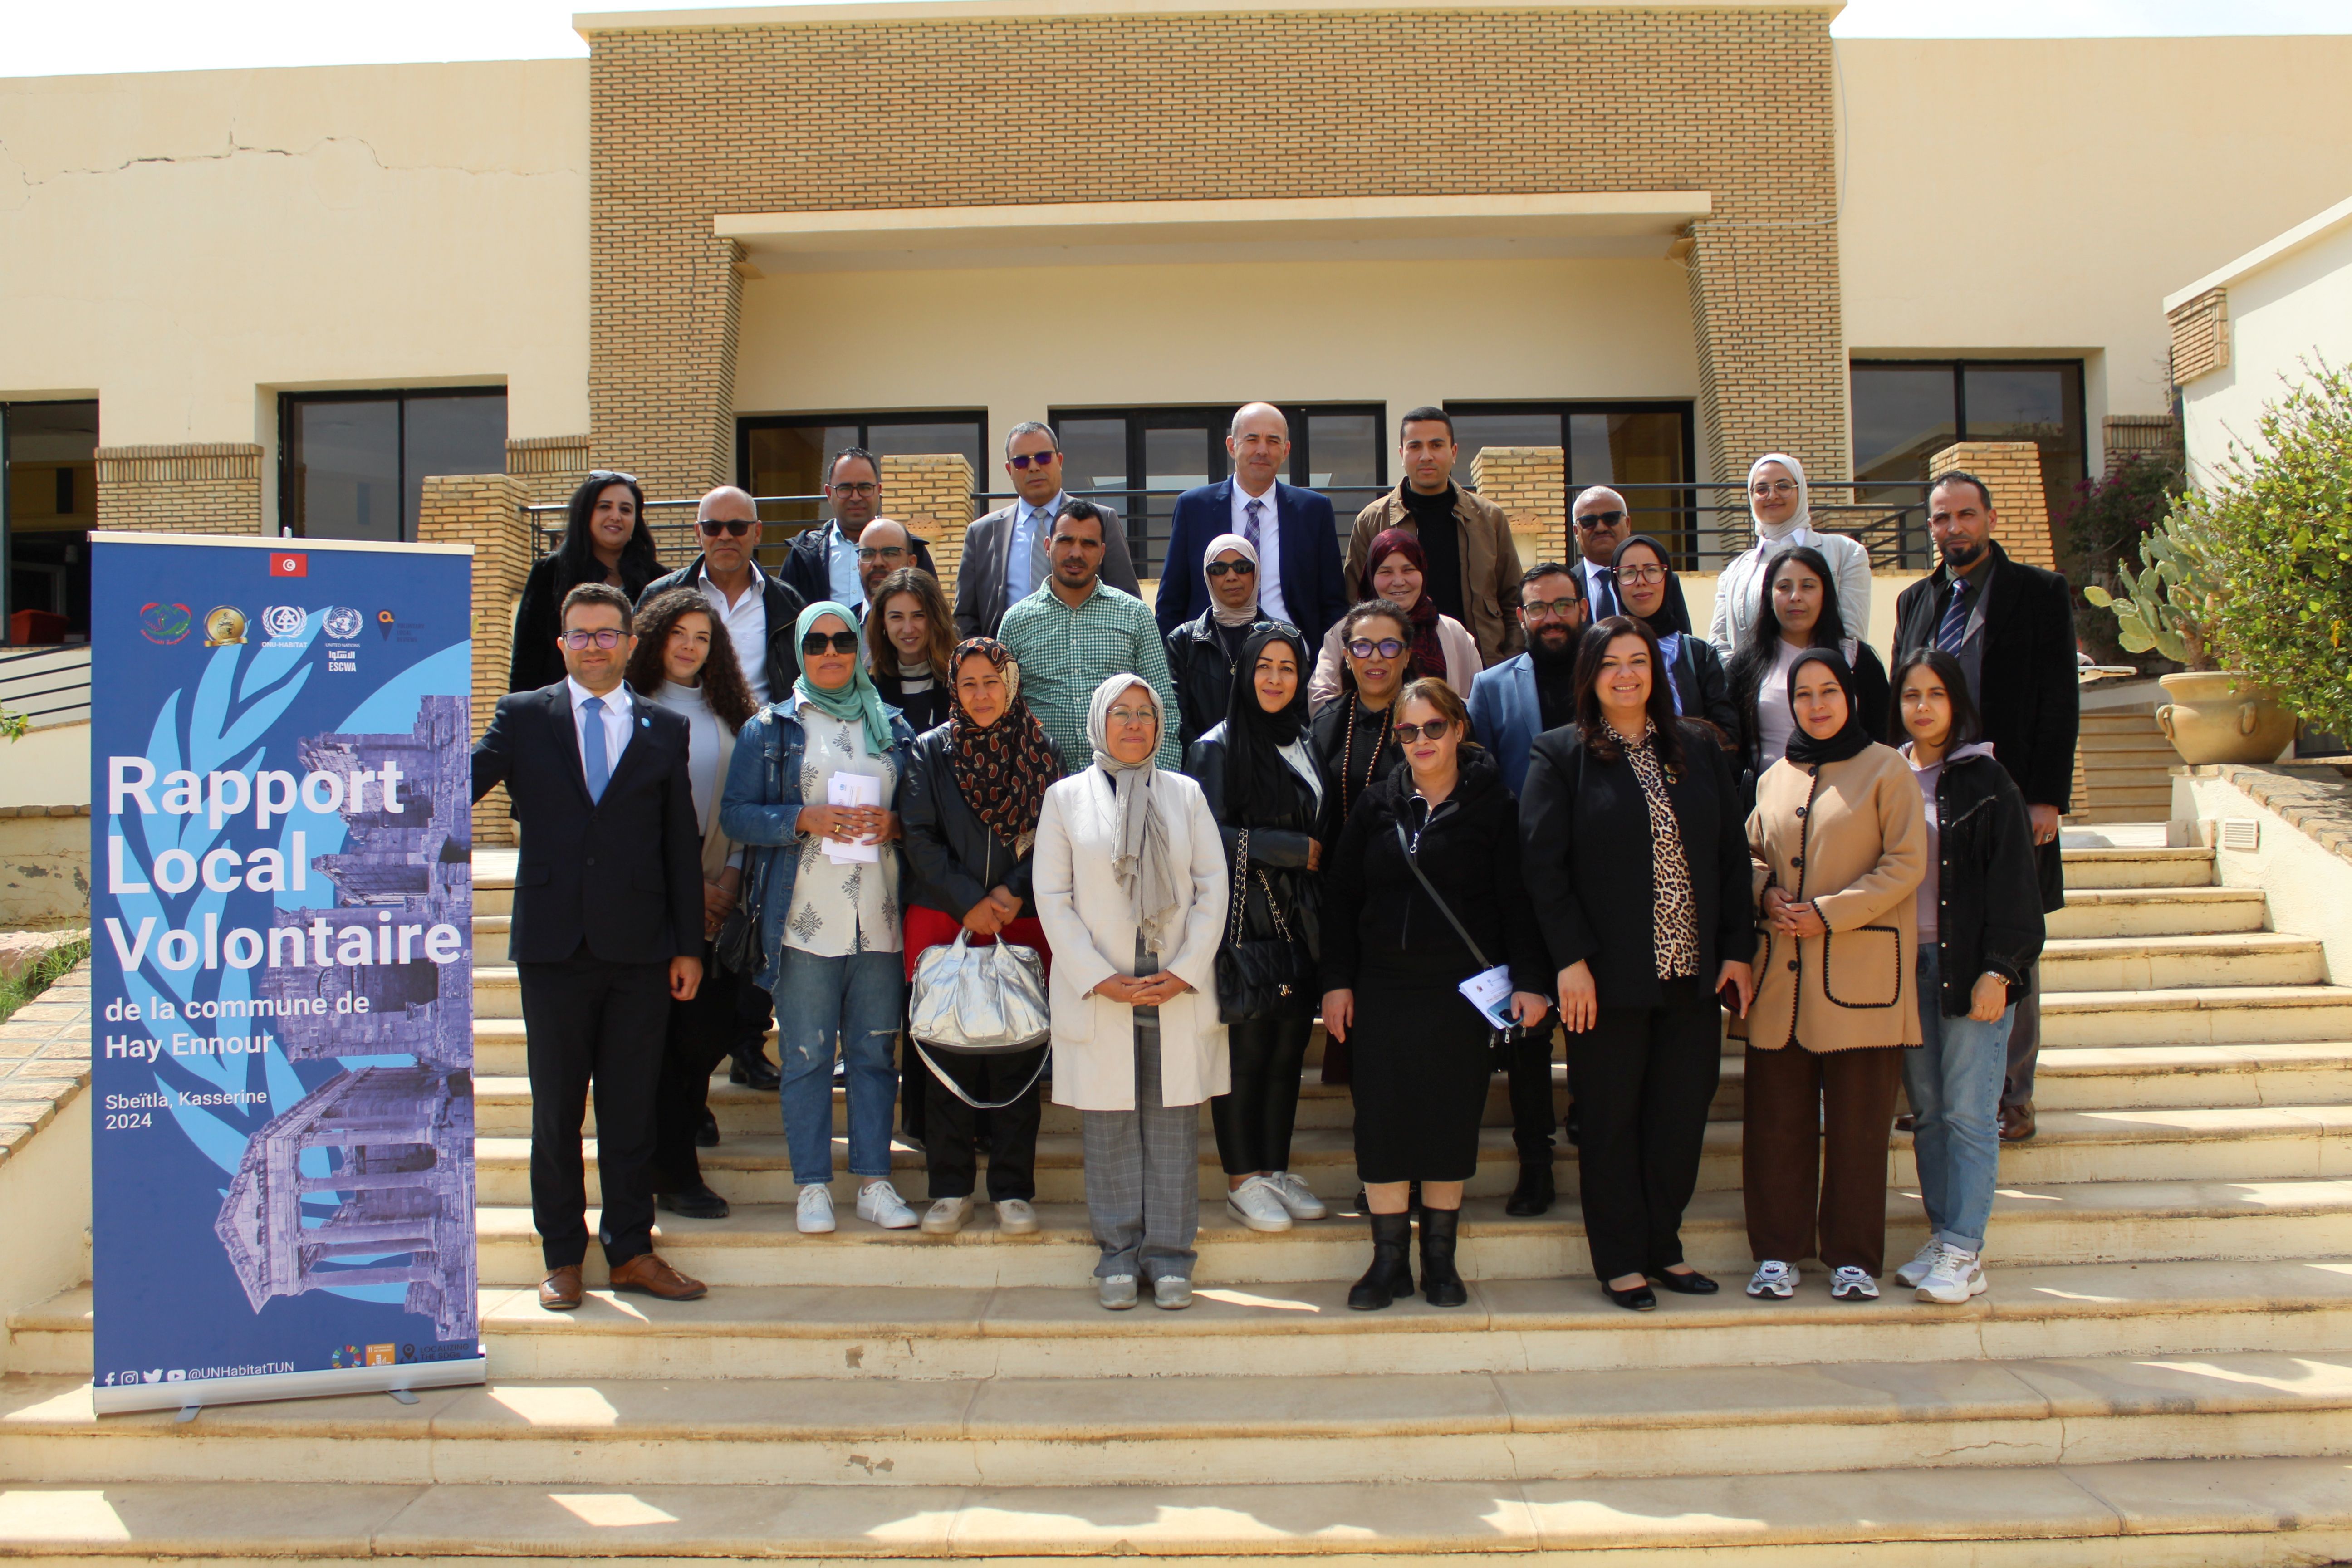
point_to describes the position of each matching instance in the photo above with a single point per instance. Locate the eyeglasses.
(1592, 520)
(815, 643)
(1556, 609)
(1239, 568)
(1025, 461)
(1121, 714)
(1773, 487)
(1644, 575)
(712, 527)
(858, 488)
(1435, 730)
(1387, 648)
(882, 552)
(581, 642)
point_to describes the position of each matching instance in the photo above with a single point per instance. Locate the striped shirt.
(1065, 653)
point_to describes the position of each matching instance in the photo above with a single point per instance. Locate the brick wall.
(2012, 470)
(485, 511)
(931, 494)
(1531, 484)
(2201, 336)
(549, 467)
(207, 488)
(693, 119)
(2127, 435)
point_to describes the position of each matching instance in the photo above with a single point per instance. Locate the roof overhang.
(587, 23)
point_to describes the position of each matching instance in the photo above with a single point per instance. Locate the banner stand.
(393, 1380)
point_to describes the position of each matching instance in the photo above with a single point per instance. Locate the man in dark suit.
(2011, 626)
(1004, 552)
(1298, 543)
(608, 930)
(823, 561)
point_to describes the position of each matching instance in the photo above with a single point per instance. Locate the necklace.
(1346, 758)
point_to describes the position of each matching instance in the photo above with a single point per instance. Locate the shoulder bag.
(979, 1002)
(1258, 977)
(1498, 1039)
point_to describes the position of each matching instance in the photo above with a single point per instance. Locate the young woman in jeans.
(1981, 929)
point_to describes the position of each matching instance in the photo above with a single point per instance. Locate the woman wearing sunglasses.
(829, 906)
(1442, 645)
(1202, 652)
(1424, 893)
(604, 540)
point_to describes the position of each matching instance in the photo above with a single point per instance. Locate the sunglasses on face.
(1591, 520)
(1387, 648)
(1239, 568)
(815, 643)
(1435, 730)
(712, 527)
(581, 642)
(1025, 461)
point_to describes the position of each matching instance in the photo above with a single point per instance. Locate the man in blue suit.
(1531, 692)
(1298, 543)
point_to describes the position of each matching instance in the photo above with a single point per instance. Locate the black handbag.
(738, 947)
(1259, 977)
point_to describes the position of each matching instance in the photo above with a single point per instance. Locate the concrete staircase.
(2161, 1373)
(2126, 767)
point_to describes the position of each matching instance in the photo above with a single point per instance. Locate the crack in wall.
(237, 149)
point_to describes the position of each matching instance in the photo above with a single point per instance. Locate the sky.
(48, 37)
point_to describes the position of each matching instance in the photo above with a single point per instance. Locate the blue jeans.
(1954, 1081)
(855, 998)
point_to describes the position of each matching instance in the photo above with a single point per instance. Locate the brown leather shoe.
(2017, 1122)
(560, 1292)
(648, 1273)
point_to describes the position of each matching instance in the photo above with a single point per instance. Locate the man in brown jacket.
(1474, 567)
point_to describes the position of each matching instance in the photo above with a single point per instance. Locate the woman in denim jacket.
(830, 929)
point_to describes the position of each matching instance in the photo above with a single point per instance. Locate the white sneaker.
(1923, 1262)
(1258, 1204)
(1774, 1280)
(1296, 1196)
(1116, 1292)
(1015, 1217)
(1957, 1276)
(1852, 1284)
(816, 1216)
(878, 1201)
(945, 1217)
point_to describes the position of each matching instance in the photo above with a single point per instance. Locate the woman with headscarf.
(975, 786)
(1131, 887)
(1397, 570)
(1203, 652)
(829, 908)
(1780, 503)
(604, 540)
(1268, 796)
(1651, 593)
(1838, 843)
(1800, 610)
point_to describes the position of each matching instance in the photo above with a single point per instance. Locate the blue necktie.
(591, 748)
(1954, 631)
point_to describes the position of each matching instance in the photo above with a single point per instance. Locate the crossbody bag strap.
(957, 1089)
(1439, 899)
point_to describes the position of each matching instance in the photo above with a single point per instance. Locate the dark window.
(49, 502)
(1626, 444)
(783, 455)
(352, 465)
(1906, 411)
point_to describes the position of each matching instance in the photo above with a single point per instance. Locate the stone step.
(2147, 1513)
(2147, 868)
(2166, 963)
(1306, 1329)
(2213, 1015)
(2158, 911)
(1643, 1422)
(2088, 1222)
(2127, 800)
(2137, 1078)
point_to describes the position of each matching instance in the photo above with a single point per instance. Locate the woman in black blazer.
(1637, 866)
(604, 540)
(1653, 594)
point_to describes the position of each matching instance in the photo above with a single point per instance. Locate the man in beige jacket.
(1474, 566)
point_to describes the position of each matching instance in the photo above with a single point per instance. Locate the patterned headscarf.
(1003, 769)
(1142, 861)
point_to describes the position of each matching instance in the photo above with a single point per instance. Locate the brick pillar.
(549, 467)
(201, 487)
(931, 494)
(662, 313)
(1531, 484)
(2012, 470)
(484, 510)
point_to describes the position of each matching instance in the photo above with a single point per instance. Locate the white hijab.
(1141, 862)
(1217, 547)
(1770, 536)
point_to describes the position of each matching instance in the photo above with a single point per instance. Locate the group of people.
(1448, 806)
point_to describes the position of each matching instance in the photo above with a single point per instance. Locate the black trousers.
(1253, 1122)
(954, 1130)
(755, 1012)
(1532, 1122)
(702, 1034)
(588, 1023)
(1645, 1078)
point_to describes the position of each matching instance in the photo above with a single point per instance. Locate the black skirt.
(1422, 1068)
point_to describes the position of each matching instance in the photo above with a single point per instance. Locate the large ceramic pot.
(2220, 716)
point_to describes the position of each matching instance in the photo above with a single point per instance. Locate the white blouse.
(1774, 722)
(842, 908)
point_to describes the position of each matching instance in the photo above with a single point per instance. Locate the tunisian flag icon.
(281, 564)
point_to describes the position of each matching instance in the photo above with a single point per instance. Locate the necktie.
(591, 748)
(1041, 564)
(1954, 631)
(1249, 527)
(1604, 594)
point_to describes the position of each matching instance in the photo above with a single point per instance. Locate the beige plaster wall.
(2041, 196)
(45, 1195)
(44, 870)
(47, 767)
(2310, 889)
(2285, 319)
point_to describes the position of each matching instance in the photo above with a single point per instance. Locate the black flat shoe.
(758, 1072)
(1691, 1284)
(706, 1131)
(694, 1203)
(1640, 1299)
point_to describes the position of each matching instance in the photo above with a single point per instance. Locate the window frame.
(1684, 541)
(1960, 367)
(8, 497)
(864, 420)
(401, 396)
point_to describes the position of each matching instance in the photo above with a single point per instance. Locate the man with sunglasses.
(758, 610)
(1601, 521)
(1005, 552)
(823, 561)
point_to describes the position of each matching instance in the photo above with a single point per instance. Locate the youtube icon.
(281, 564)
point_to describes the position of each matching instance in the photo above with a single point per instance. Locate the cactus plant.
(2169, 601)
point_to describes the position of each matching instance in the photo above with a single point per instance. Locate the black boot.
(1535, 1193)
(1390, 1274)
(1440, 1285)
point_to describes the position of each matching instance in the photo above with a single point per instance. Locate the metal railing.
(48, 685)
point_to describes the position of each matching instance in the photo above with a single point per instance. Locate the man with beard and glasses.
(2011, 628)
(1510, 705)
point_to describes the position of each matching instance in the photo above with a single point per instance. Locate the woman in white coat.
(1781, 505)
(1130, 888)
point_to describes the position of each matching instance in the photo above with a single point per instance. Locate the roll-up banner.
(281, 911)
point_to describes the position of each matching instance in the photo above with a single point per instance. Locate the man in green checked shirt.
(1076, 631)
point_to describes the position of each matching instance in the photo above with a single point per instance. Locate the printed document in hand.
(853, 789)
(1490, 992)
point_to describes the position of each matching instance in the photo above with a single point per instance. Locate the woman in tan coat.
(1839, 842)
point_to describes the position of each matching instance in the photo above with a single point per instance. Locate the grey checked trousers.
(1144, 1173)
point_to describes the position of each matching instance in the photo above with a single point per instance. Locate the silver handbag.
(979, 1002)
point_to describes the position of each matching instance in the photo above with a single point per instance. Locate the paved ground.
(44, 1058)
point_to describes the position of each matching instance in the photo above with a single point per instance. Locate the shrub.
(2102, 533)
